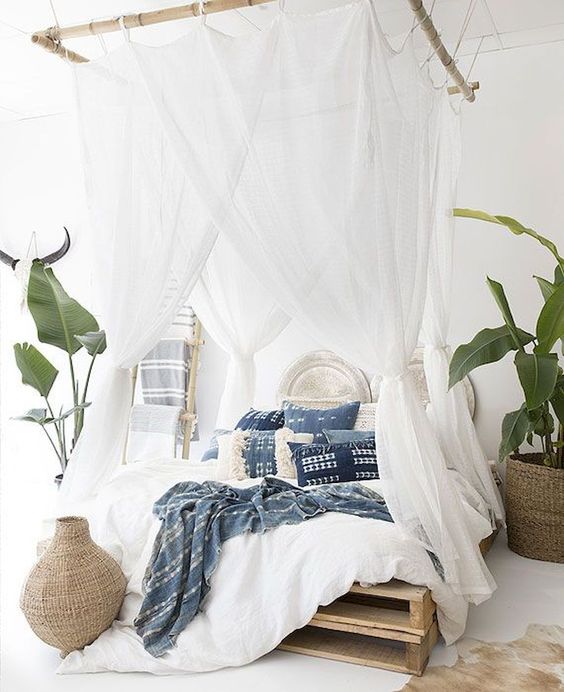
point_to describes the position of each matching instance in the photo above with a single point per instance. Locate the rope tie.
(465, 24)
(124, 29)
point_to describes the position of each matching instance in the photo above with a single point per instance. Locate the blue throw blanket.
(196, 519)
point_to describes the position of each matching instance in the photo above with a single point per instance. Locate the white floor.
(529, 592)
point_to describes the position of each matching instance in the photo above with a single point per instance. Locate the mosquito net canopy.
(304, 172)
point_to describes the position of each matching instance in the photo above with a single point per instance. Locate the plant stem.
(64, 436)
(54, 446)
(83, 399)
(75, 401)
(62, 454)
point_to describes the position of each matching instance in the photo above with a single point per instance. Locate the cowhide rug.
(534, 662)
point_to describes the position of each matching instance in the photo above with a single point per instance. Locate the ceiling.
(35, 84)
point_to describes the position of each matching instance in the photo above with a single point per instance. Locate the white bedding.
(265, 586)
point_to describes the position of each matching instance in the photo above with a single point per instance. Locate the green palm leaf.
(36, 370)
(537, 374)
(513, 225)
(550, 324)
(514, 430)
(488, 346)
(58, 317)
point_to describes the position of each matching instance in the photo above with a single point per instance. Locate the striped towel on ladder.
(164, 374)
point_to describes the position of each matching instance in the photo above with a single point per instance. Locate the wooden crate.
(390, 626)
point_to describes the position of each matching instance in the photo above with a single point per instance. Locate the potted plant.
(535, 479)
(62, 322)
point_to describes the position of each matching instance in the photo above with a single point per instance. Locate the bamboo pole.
(190, 415)
(50, 39)
(428, 28)
(133, 375)
(134, 21)
(456, 90)
(57, 47)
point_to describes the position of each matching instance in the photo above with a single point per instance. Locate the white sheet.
(265, 586)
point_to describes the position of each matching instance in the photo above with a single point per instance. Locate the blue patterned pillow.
(318, 464)
(313, 420)
(260, 454)
(338, 436)
(213, 450)
(261, 420)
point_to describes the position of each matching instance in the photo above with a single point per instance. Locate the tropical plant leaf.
(557, 402)
(35, 415)
(559, 275)
(514, 430)
(93, 342)
(488, 346)
(498, 293)
(70, 412)
(513, 225)
(547, 289)
(537, 374)
(550, 324)
(57, 316)
(36, 370)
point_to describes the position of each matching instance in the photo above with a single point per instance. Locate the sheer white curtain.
(242, 317)
(150, 238)
(310, 144)
(449, 410)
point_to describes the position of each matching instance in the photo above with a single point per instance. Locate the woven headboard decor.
(321, 379)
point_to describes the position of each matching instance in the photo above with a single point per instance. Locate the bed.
(266, 586)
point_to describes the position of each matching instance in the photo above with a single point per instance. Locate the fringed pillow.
(318, 464)
(261, 420)
(257, 453)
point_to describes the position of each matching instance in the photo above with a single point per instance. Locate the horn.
(58, 254)
(6, 259)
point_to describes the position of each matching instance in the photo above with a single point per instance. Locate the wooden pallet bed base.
(391, 626)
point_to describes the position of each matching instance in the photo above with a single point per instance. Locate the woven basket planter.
(534, 499)
(75, 591)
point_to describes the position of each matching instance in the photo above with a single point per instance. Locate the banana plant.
(63, 323)
(536, 357)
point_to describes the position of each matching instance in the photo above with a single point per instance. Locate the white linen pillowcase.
(231, 453)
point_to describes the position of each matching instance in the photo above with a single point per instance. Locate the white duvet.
(265, 586)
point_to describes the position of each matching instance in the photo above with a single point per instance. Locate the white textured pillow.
(231, 453)
(366, 417)
(284, 464)
(223, 467)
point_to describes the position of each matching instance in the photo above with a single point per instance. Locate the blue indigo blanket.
(196, 518)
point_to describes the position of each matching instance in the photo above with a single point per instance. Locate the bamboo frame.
(428, 28)
(51, 39)
(190, 415)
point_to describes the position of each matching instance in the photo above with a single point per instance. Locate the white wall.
(513, 164)
(40, 190)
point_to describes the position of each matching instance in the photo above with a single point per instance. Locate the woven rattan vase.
(534, 499)
(75, 591)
